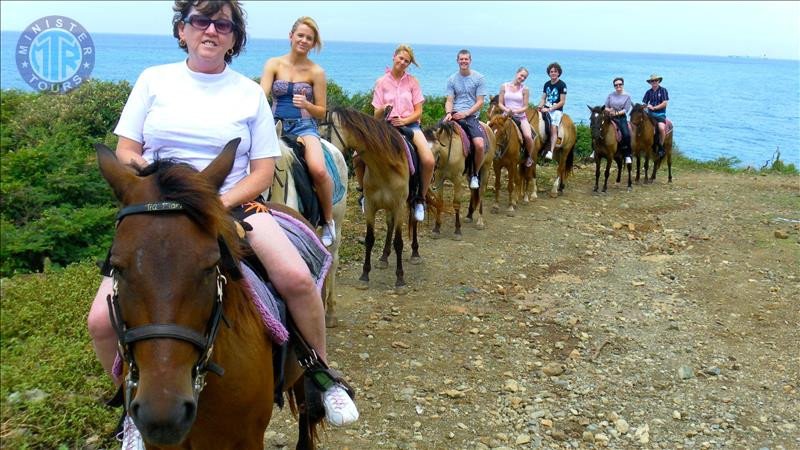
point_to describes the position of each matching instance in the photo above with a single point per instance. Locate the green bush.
(55, 206)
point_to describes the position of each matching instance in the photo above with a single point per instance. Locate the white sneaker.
(549, 155)
(591, 157)
(131, 439)
(361, 201)
(628, 160)
(339, 407)
(419, 212)
(473, 182)
(329, 233)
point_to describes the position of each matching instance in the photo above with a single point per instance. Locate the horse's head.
(168, 259)
(494, 109)
(498, 124)
(638, 114)
(443, 135)
(598, 119)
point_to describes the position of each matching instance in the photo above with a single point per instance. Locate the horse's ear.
(590, 108)
(220, 167)
(119, 176)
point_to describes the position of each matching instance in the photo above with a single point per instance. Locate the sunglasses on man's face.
(617, 84)
(223, 26)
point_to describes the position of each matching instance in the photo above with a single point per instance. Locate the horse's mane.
(371, 132)
(182, 183)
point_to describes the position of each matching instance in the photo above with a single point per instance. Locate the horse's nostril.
(189, 410)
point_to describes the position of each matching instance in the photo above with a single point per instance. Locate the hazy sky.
(707, 28)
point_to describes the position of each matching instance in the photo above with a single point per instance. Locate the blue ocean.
(746, 108)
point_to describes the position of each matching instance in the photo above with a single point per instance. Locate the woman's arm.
(251, 186)
(130, 152)
(525, 97)
(319, 107)
(268, 76)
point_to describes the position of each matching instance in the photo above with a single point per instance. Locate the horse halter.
(126, 337)
(330, 128)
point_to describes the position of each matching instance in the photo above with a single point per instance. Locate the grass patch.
(47, 353)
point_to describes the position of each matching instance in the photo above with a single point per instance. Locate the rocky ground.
(666, 317)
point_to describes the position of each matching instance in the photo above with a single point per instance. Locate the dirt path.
(667, 317)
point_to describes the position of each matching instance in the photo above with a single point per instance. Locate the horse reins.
(126, 337)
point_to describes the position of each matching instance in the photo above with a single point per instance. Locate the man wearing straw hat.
(656, 100)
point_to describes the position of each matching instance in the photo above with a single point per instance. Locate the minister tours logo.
(55, 54)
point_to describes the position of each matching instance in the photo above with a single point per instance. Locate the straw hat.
(654, 77)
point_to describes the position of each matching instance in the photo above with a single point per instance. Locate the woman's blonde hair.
(310, 23)
(406, 48)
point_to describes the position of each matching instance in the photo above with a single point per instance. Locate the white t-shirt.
(189, 117)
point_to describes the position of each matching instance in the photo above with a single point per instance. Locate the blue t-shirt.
(655, 98)
(465, 90)
(552, 92)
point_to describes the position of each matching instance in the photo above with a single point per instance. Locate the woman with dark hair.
(618, 105)
(187, 111)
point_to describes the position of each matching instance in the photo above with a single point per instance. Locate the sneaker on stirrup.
(328, 233)
(419, 212)
(339, 407)
(549, 155)
(473, 182)
(361, 202)
(131, 439)
(591, 157)
(628, 160)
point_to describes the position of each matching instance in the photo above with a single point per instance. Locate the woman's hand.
(300, 101)
(398, 122)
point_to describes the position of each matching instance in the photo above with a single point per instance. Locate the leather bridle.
(126, 337)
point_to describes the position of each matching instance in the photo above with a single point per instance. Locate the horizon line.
(761, 57)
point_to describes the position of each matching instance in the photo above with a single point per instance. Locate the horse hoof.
(467, 219)
(495, 209)
(331, 321)
(381, 264)
(480, 226)
(415, 260)
(511, 212)
(630, 189)
(436, 235)
(362, 285)
(457, 237)
(401, 290)
(553, 194)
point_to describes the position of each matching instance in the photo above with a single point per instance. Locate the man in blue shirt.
(656, 100)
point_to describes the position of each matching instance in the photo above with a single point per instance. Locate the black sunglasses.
(223, 26)
(617, 84)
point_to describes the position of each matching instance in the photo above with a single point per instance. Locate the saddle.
(415, 176)
(308, 202)
(544, 129)
(618, 132)
(466, 143)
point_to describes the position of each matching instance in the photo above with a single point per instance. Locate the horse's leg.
(398, 250)
(669, 163)
(457, 211)
(533, 190)
(596, 172)
(415, 258)
(638, 162)
(369, 242)
(471, 208)
(630, 186)
(383, 262)
(438, 204)
(512, 201)
(498, 170)
(609, 160)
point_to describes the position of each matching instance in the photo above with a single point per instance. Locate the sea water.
(732, 107)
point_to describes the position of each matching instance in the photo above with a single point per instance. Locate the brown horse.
(283, 191)
(449, 165)
(605, 145)
(565, 146)
(449, 142)
(643, 138)
(181, 312)
(509, 156)
(386, 182)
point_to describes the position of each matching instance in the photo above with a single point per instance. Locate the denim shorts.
(300, 127)
(658, 116)
(555, 117)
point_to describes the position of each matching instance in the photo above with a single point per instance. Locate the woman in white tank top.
(513, 102)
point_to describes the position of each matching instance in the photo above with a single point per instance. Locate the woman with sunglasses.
(298, 87)
(513, 101)
(187, 111)
(618, 105)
